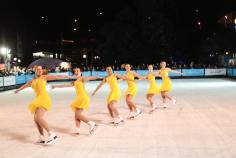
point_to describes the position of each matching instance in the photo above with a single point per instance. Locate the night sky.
(44, 20)
(59, 16)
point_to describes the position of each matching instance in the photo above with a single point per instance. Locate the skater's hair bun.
(45, 71)
(108, 66)
(122, 66)
(74, 68)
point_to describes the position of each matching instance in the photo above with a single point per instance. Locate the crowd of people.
(16, 70)
(155, 66)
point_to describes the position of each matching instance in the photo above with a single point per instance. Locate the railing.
(17, 80)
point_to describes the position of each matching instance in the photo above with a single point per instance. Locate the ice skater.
(153, 87)
(114, 95)
(131, 92)
(82, 100)
(166, 85)
(42, 103)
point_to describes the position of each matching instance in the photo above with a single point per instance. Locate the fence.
(223, 72)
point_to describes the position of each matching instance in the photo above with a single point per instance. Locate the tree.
(143, 32)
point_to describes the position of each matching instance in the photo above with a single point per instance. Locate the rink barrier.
(1, 81)
(193, 72)
(231, 72)
(215, 72)
(99, 73)
(23, 78)
(20, 79)
(171, 74)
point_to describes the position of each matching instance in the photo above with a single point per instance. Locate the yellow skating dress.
(153, 88)
(115, 92)
(42, 99)
(82, 100)
(166, 82)
(132, 87)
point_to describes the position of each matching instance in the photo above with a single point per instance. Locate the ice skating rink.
(201, 125)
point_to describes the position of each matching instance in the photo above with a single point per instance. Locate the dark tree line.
(143, 32)
(154, 30)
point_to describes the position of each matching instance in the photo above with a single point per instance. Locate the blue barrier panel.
(230, 72)
(193, 72)
(121, 72)
(59, 73)
(171, 74)
(20, 79)
(142, 72)
(234, 72)
(29, 77)
(99, 73)
(70, 73)
(86, 73)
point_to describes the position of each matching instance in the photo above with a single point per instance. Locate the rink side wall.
(14, 81)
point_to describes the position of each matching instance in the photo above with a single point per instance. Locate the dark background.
(119, 31)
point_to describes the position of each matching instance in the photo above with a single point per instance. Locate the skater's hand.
(100, 78)
(93, 94)
(142, 78)
(119, 80)
(16, 91)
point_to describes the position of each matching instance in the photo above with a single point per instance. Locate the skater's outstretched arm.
(63, 85)
(123, 77)
(91, 78)
(99, 86)
(157, 74)
(144, 77)
(174, 71)
(27, 84)
(56, 77)
(137, 75)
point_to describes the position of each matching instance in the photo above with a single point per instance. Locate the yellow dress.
(115, 92)
(153, 88)
(42, 99)
(132, 87)
(82, 100)
(166, 82)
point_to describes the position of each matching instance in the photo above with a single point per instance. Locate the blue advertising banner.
(193, 72)
(59, 73)
(121, 72)
(86, 73)
(20, 79)
(70, 73)
(234, 72)
(142, 72)
(99, 73)
(29, 77)
(230, 72)
(171, 74)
